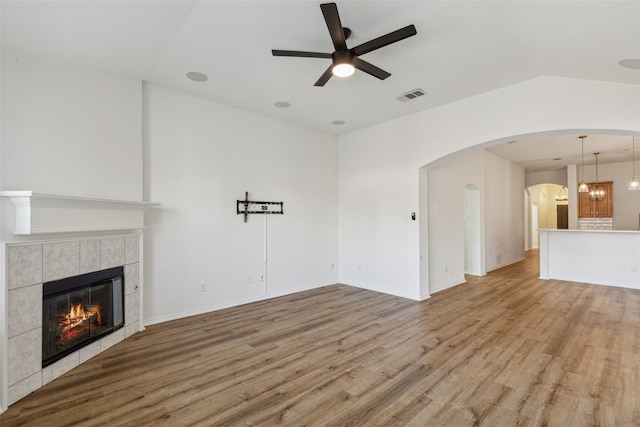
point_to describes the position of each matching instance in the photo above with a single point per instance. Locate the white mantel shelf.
(38, 213)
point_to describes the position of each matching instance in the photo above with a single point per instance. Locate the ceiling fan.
(345, 60)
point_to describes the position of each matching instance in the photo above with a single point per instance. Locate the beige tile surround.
(28, 267)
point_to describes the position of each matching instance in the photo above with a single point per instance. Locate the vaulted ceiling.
(462, 49)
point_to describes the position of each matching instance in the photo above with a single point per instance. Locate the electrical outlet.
(333, 267)
(634, 268)
(248, 281)
(203, 287)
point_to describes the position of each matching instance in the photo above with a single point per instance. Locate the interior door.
(562, 217)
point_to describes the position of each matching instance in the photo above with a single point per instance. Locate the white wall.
(473, 230)
(200, 157)
(558, 176)
(70, 131)
(378, 166)
(528, 238)
(504, 217)
(423, 230)
(378, 239)
(572, 192)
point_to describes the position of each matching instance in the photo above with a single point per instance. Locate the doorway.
(562, 217)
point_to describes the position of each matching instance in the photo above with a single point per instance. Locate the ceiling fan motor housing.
(342, 57)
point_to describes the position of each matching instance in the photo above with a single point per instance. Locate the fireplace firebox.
(78, 310)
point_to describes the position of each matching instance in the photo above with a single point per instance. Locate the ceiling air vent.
(412, 94)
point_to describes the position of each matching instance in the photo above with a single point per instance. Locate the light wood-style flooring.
(505, 349)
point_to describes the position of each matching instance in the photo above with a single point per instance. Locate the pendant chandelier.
(634, 185)
(597, 193)
(562, 195)
(583, 187)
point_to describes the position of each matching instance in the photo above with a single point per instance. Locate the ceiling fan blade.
(331, 17)
(370, 69)
(324, 78)
(385, 40)
(300, 54)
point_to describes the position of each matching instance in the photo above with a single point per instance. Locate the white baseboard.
(176, 316)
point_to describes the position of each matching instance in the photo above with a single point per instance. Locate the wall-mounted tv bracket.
(264, 207)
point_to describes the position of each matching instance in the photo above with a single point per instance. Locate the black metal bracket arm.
(264, 207)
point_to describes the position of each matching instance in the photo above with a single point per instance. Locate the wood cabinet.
(588, 208)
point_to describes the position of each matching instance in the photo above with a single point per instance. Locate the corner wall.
(200, 158)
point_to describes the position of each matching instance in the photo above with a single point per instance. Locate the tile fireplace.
(57, 293)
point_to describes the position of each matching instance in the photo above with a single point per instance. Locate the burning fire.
(77, 314)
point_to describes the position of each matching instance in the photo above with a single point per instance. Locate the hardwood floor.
(505, 349)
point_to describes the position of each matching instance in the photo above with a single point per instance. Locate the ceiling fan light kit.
(345, 60)
(342, 63)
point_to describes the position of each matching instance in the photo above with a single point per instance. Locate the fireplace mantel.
(38, 213)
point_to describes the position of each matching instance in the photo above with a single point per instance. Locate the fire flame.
(78, 314)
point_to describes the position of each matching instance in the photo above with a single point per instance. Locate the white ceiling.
(557, 150)
(463, 48)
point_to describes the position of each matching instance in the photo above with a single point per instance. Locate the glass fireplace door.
(74, 316)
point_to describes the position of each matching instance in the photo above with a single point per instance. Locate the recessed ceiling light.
(197, 77)
(634, 64)
(282, 104)
(338, 122)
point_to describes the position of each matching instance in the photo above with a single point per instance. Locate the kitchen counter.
(603, 257)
